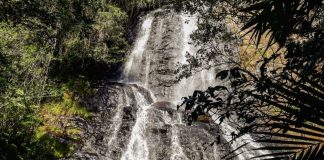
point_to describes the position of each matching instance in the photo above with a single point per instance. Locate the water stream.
(137, 147)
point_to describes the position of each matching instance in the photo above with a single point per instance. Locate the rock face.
(136, 118)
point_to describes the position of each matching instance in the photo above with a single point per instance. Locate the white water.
(147, 70)
(200, 80)
(189, 25)
(117, 119)
(137, 148)
(185, 86)
(177, 150)
(136, 56)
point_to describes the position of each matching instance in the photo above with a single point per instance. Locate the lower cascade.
(143, 129)
(137, 118)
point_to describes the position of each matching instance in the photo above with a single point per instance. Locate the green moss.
(68, 106)
(56, 124)
(79, 86)
(52, 147)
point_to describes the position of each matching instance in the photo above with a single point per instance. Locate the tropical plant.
(279, 103)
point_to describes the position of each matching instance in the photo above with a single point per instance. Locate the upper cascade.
(163, 40)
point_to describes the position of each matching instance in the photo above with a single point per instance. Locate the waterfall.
(177, 153)
(137, 117)
(189, 25)
(200, 80)
(117, 119)
(136, 57)
(137, 147)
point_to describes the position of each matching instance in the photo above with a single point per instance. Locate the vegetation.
(281, 101)
(50, 53)
(57, 124)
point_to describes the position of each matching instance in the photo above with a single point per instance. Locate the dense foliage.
(50, 52)
(282, 100)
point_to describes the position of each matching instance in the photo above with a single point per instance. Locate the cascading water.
(137, 147)
(136, 57)
(136, 119)
(116, 120)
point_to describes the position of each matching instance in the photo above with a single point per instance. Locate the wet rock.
(129, 113)
(165, 106)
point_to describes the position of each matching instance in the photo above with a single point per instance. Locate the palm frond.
(293, 143)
